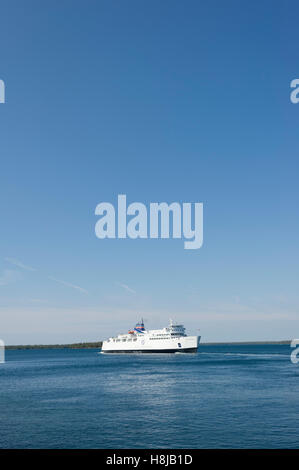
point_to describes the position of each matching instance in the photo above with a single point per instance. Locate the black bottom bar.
(159, 459)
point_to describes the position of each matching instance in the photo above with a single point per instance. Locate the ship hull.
(143, 345)
(150, 351)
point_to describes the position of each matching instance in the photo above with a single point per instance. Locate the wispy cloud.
(127, 288)
(18, 263)
(11, 276)
(68, 284)
(8, 276)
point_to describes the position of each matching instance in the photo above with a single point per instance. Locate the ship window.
(135, 339)
(124, 340)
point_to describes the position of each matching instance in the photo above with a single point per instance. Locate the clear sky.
(161, 101)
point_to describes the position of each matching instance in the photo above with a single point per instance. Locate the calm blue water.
(223, 397)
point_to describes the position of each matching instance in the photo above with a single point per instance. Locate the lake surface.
(222, 397)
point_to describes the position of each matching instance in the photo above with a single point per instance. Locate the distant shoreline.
(57, 346)
(98, 345)
(286, 341)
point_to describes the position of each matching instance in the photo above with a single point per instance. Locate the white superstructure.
(168, 340)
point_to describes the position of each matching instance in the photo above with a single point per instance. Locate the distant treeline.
(285, 341)
(98, 345)
(58, 346)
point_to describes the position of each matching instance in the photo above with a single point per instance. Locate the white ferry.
(139, 340)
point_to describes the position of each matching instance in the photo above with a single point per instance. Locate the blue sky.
(161, 101)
